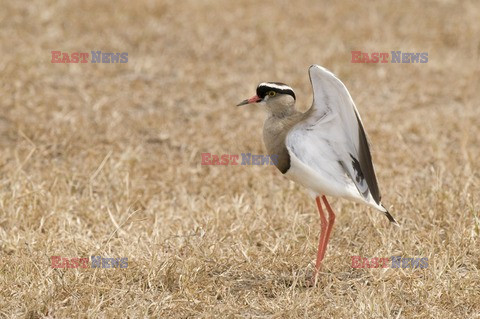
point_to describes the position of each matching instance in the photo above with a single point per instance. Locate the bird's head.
(279, 98)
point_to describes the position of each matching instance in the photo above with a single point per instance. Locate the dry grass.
(85, 148)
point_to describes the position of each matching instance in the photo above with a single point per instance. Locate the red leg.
(331, 220)
(323, 228)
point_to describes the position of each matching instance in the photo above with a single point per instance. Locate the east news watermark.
(392, 57)
(239, 159)
(97, 262)
(389, 262)
(92, 57)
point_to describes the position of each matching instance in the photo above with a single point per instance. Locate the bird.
(324, 149)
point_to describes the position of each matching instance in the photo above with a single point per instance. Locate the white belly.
(318, 183)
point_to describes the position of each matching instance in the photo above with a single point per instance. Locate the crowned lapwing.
(324, 149)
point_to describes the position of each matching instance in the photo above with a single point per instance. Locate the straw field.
(104, 159)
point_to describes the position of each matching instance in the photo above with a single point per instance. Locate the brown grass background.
(104, 159)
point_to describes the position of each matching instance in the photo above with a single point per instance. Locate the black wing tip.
(390, 217)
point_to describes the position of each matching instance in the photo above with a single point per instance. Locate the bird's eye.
(271, 93)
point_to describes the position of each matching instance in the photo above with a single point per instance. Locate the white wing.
(331, 141)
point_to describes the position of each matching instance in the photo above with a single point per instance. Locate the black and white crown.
(280, 88)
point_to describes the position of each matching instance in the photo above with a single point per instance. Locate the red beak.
(254, 99)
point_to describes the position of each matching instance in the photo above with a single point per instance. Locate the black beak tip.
(243, 102)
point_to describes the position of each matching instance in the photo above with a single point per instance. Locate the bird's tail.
(390, 217)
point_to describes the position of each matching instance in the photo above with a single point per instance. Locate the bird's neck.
(275, 130)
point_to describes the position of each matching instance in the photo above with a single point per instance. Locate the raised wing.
(333, 126)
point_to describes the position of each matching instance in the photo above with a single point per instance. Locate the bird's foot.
(312, 279)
